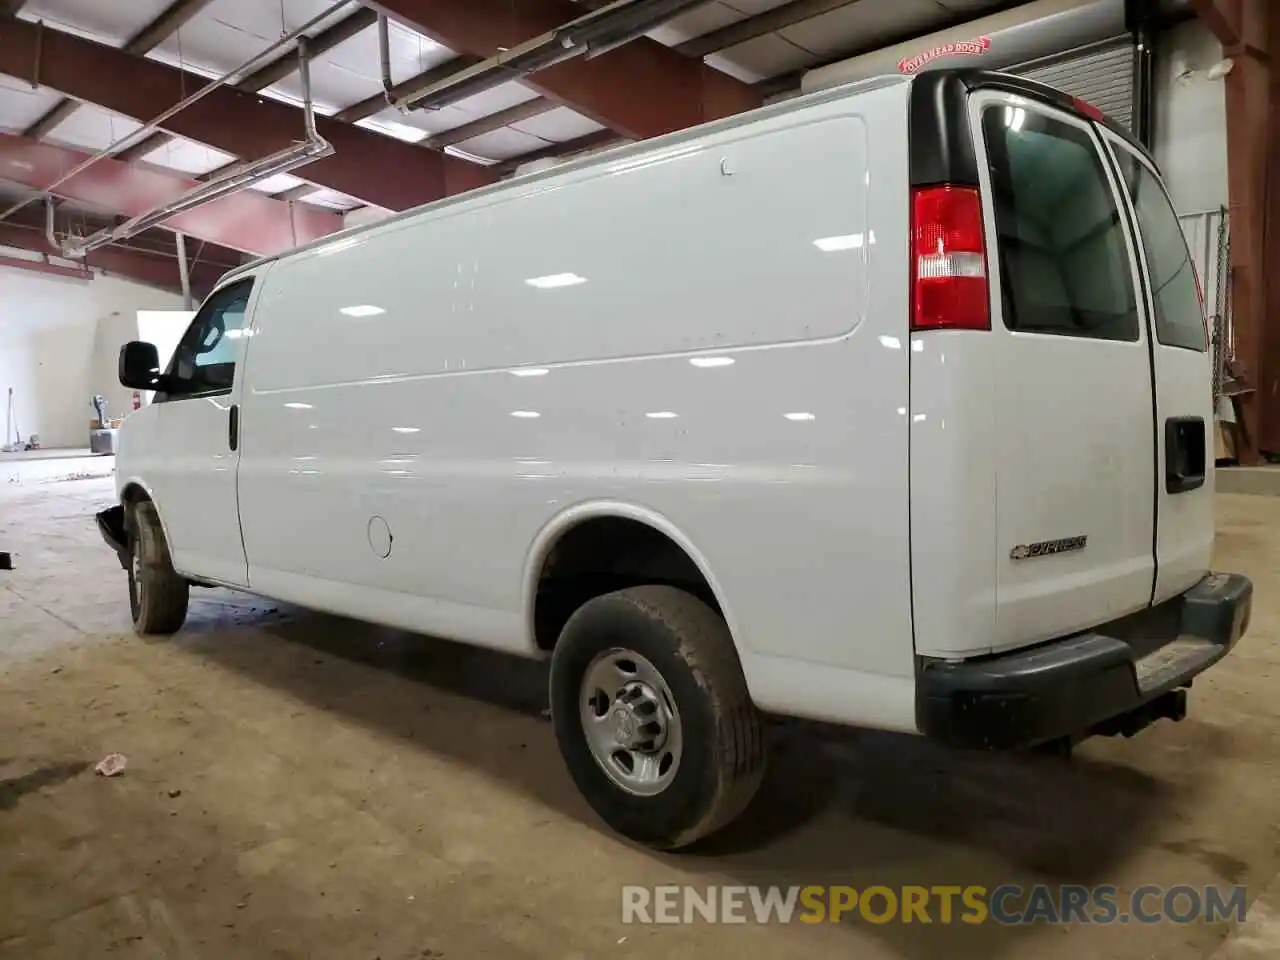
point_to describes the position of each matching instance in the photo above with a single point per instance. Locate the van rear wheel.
(158, 595)
(652, 715)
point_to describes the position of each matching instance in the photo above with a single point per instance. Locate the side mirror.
(140, 366)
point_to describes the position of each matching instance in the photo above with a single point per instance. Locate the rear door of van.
(1184, 403)
(1084, 423)
(1075, 439)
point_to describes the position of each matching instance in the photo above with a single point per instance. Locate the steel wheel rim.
(135, 571)
(630, 722)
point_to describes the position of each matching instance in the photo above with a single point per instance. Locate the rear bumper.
(1116, 679)
(111, 526)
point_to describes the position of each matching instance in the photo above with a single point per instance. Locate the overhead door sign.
(959, 48)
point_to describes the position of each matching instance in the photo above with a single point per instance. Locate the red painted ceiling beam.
(640, 90)
(146, 268)
(369, 166)
(246, 220)
(49, 269)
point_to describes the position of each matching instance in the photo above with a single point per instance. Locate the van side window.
(204, 361)
(1179, 319)
(1064, 264)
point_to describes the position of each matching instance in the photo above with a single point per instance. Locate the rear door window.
(1178, 318)
(1064, 263)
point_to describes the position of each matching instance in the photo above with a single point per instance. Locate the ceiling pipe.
(384, 58)
(184, 269)
(591, 35)
(49, 233)
(283, 161)
(295, 37)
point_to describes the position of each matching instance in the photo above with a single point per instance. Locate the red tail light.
(948, 260)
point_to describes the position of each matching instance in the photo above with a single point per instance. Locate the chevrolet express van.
(885, 406)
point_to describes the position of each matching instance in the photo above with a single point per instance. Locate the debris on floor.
(112, 765)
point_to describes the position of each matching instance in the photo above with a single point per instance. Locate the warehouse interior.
(302, 785)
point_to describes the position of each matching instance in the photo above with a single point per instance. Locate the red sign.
(961, 48)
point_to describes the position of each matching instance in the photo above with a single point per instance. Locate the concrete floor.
(303, 786)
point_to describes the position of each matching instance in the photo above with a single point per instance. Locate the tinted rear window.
(1179, 321)
(1064, 265)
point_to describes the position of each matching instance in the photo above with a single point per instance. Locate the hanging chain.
(1223, 345)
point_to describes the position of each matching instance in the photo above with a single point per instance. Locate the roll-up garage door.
(1101, 73)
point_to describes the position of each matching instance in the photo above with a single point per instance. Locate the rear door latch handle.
(233, 426)
(1184, 454)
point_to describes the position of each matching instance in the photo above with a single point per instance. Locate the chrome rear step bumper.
(1115, 679)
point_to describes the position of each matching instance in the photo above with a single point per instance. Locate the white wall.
(59, 343)
(164, 328)
(17, 370)
(1191, 119)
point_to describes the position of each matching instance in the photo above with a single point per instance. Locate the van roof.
(946, 89)
(613, 155)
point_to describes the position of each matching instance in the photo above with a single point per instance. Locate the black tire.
(158, 595)
(689, 644)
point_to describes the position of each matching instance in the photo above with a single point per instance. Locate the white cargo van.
(884, 406)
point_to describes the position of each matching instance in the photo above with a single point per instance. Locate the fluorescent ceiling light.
(846, 241)
(553, 280)
(525, 414)
(298, 406)
(530, 372)
(662, 415)
(393, 128)
(800, 416)
(470, 157)
(712, 361)
(407, 429)
(362, 310)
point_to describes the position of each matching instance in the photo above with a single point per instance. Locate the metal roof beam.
(640, 89)
(150, 37)
(757, 26)
(369, 166)
(495, 121)
(273, 72)
(596, 140)
(246, 221)
(155, 270)
(378, 102)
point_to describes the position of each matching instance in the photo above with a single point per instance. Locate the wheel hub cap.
(631, 723)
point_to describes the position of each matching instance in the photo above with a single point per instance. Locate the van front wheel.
(158, 595)
(652, 715)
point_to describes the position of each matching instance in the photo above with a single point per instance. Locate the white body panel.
(726, 370)
(708, 335)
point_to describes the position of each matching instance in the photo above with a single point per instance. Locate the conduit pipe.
(280, 162)
(591, 35)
